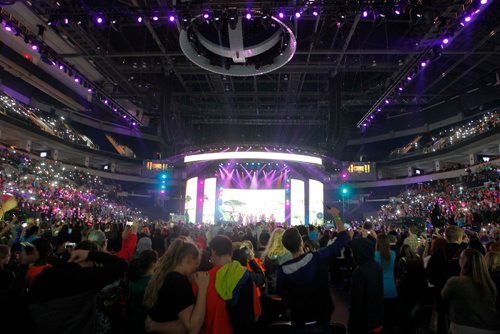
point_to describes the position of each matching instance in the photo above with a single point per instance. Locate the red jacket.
(128, 247)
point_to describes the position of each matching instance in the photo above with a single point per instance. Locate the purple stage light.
(8, 28)
(171, 18)
(61, 67)
(387, 101)
(139, 19)
(34, 47)
(365, 13)
(423, 64)
(365, 125)
(114, 109)
(248, 16)
(297, 15)
(315, 13)
(99, 20)
(124, 116)
(344, 175)
(379, 109)
(155, 18)
(105, 101)
(77, 80)
(408, 78)
(66, 20)
(484, 2)
(162, 192)
(89, 90)
(281, 15)
(446, 41)
(400, 89)
(372, 116)
(206, 16)
(397, 11)
(468, 19)
(134, 123)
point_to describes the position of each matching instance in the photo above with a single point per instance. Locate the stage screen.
(315, 202)
(253, 205)
(297, 202)
(191, 199)
(209, 200)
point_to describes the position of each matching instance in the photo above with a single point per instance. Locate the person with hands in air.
(303, 283)
(173, 307)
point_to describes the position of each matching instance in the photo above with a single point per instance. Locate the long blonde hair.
(474, 266)
(177, 251)
(275, 245)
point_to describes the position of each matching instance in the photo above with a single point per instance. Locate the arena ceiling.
(344, 66)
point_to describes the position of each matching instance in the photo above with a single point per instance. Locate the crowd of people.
(74, 261)
(56, 126)
(472, 200)
(451, 136)
(168, 277)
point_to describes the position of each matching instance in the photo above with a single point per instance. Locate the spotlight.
(484, 2)
(139, 19)
(297, 15)
(8, 28)
(77, 80)
(409, 78)
(155, 18)
(248, 16)
(365, 14)
(134, 123)
(66, 21)
(281, 15)
(89, 90)
(397, 11)
(468, 19)
(105, 101)
(206, 16)
(34, 47)
(99, 20)
(387, 101)
(171, 18)
(446, 40)
(423, 64)
(61, 67)
(315, 13)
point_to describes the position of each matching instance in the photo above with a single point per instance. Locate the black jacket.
(367, 289)
(62, 297)
(443, 265)
(303, 284)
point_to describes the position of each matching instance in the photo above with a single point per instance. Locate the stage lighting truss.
(231, 42)
(249, 155)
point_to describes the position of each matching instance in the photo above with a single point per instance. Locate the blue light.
(162, 186)
(163, 176)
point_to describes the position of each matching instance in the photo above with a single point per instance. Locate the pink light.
(171, 18)
(8, 28)
(77, 80)
(134, 123)
(61, 67)
(206, 16)
(139, 19)
(468, 19)
(408, 78)
(66, 21)
(248, 16)
(281, 15)
(297, 15)
(344, 175)
(484, 2)
(162, 192)
(446, 41)
(201, 199)
(34, 47)
(155, 18)
(315, 13)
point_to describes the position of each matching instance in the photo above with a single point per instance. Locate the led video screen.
(315, 202)
(253, 205)
(191, 199)
(209, 200)
(297, 201)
